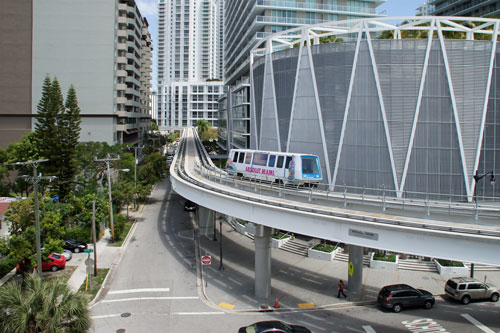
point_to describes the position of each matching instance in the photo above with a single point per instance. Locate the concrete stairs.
(296, 246)
(343, 256)
(417, 265)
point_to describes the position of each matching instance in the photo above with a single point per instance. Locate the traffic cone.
(276, 303)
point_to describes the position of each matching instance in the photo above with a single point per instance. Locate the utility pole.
(107, 160)
(94, 237)
(36, 179)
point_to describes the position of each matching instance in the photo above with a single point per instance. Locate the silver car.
(465, 289)
(67, 254)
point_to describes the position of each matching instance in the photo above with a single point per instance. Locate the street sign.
(206, 260)
(88, 250)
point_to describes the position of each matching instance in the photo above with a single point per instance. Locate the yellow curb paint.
(305, 305)
(226, 305)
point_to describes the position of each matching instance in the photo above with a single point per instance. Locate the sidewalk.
(297, 281)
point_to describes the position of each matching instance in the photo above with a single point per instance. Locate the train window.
(309, 165)
(248, 159)
(280, 161)
(260, 159)
(272, 160)
(288, 160)
(235, 157)
(241, 158)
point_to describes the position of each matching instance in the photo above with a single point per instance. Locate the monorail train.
(289, 168)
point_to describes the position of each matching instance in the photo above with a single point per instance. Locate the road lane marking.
(423, 325)
(148, 299)
(368, 329)
(227, 305)
(197, 313)
(476, 323)
(106, 316)
(139, 290)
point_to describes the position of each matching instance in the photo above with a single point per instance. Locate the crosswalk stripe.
(148, 299)
(139, 290)
(476, 323)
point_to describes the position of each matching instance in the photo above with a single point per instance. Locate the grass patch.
(123, 235)
(384, 257)
(324, 247)
(450, 263)
(281, 235)
(95, 284)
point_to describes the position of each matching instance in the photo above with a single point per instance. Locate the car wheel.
(494, 297)
(77, 249)
(397, 308)
(53, 268)
(466, 299)
(428, 304)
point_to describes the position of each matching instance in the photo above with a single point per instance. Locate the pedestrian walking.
(341, 289)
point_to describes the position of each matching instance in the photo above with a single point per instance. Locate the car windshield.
(56, 256)
(309, 165)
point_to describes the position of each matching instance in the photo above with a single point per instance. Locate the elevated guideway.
(455, 231)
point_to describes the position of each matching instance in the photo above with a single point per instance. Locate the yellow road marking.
(306, 305)
(227, 305)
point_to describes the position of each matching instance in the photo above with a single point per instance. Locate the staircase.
(417, 265)
(342, 256)
(296, 246)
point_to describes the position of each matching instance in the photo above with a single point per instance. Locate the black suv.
(399, 296)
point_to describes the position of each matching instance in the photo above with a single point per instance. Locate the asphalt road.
(155, 289)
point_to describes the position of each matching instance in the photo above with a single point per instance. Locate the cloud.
(147, 7)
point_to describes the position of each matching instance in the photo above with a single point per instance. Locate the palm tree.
(37, 305)
(202, 125)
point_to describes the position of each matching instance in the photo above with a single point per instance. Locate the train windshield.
(310, 165)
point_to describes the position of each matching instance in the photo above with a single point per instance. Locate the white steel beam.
(419, 104)
(455, 110)
(347, 105)
(485, 105)
(384, 114)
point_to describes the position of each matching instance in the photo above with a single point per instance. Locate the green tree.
(202, 126)
(21, 244)
(154, 126)
(37, 305)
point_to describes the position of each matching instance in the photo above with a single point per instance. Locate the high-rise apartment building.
(101, 47)
(465, 7)
(425, 9)
(189, 61)
(246, 22)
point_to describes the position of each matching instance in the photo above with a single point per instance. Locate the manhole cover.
(120, 330)
(125, 314)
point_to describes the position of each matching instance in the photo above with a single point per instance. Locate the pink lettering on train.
(259, 170)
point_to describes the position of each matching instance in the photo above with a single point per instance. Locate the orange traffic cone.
(276, 303)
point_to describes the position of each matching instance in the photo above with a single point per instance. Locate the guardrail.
(210, 172)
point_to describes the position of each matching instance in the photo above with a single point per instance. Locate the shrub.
(119, 225)
(385, 257)
(6, 265)
(450, 263)
(324, 247)
(81, 233)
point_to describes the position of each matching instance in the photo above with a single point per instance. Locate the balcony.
(315, 6)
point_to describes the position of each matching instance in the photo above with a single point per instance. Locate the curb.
(7, 277)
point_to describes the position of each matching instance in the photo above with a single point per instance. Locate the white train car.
(289, 168)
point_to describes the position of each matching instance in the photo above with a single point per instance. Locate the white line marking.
(140, 290)
(147, 299)
(368, 329)
(197, 313)
(477, 323)
(106, 316)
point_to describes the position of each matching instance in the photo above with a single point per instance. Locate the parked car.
(74, 246)
(273, 326)
(54, 262)
(399, 296)
(465, 289)
(67, 255)
(189, 206)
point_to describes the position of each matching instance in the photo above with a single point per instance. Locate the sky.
(149, 9)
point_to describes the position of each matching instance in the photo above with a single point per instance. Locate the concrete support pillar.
(355, 271)
(205, 221)
(263, 261)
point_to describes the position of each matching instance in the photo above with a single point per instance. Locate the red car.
(53, 263)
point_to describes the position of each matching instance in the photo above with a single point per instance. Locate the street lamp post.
(135, 175)
(221, 266)
(477, 178)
